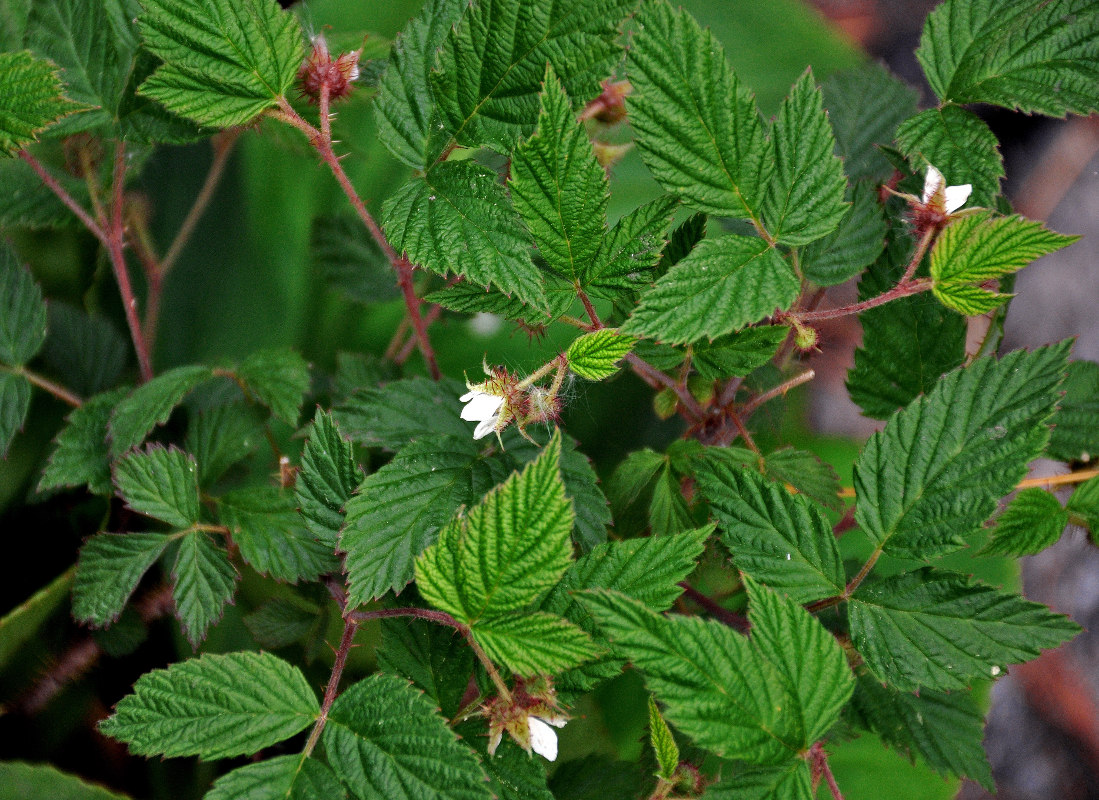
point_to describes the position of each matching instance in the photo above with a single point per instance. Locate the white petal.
(543, 739)
(932, 183)
(485, 427)
(465, 398)
(482, 406)
(956, 197)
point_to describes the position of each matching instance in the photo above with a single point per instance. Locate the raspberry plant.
(506, 589)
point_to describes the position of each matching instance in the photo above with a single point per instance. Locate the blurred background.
(246, 280)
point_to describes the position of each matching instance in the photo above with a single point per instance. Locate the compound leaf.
(203, 581)
(1033, 521)
(277, 378)
(289, 777)
(160, 483)
(151, 404)
(108, 570)
(329, 476)
(960, 145)
(32, 100)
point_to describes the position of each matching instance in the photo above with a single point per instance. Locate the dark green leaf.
(277, 378)
(1084, 505)
(512, 773)
(220, 437)
(1034, 521)
(87, 349)
(21, 781)
(669, 513)
(109, 569)
(960, 145)
(595, 355)
(468, 298)
(791, 781)
(22, 312)
(350, 261)
(807, 473)
(329, 476)
(15, 400)
(160, 483)
(401, 411)
(32, 100)
(80, 455)
(435, 658)
(597, 777)
(24, 621)
(290, 777)
(151, 404)
(853, 246)
(1075, 435)
(629, 254)
(738, 353)
(215, 706)
(284, 620)
(203, 581)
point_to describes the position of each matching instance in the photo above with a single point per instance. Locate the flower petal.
(956, 196)
(482, 406)
(543, 739)
(932, 183)
(485, 427)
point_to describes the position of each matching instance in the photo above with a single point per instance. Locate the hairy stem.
(330, 691)
(54, 186)
(903, 289)
(654, 376)
(116, 238)
(588, 307)
(804, 377)
(45, 384)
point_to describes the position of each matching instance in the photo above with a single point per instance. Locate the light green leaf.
(328, 478)
(351, 262)
(865, 105)
(264, 524)
(853, 246)
(738, 353)
(15, 400)
(945, 728)
(277, 378)
(404, 111)
(385, 739)
(398, 412)
(32, 100)
(80, 455)
(398, 510)
(215, 706)
(1075, 435)
(804, 199)
(109, 569)
(595, 355)
(221, 436)
(491, 66)
(960, 145)
(1032, 522)
(289, 777)
(559, 188)
(936, 471)
(697, 128)
(225, 62)
(21, 781)
(458, 219)
(774, 536)
(1033, 56)
(203, 581)
(669, 513)
(791, 781)
(160, 483)
(507, 551)
(722, 286)
(979, 248)
(26, 619)
(151, 404)
(22, 312)
(663, 743)
(534, 644)
(86, 348)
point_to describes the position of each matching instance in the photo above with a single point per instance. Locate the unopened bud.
(320, 71)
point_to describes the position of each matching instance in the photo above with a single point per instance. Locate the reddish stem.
(588, 307)
(903, 289)
(54, 186)
(735, 621)
(654, 376)
(333, 687)
(56, 389)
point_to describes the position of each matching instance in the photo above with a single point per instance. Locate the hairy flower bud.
(321, 71)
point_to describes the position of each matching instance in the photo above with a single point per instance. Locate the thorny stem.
(54, 186)
(402, 355)
(820, 762)
(330, 692)
(322, 143)
(804, 377)
(653, 375)
(57, 390)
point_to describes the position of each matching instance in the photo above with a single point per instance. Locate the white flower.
(543, 738)
(951, 197)
(484, 408)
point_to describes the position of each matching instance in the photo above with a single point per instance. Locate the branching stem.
(45, 384)
(330, 691)
(654, 376)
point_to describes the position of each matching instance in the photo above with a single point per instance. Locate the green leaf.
(1084, 505)
(109, 569)
(534, 644)
(865, 105)
(595, 355)
(220, 437)
(1032, 56)
(491, 65)
(961, 145)
(160, 483)
(289, 777)
(774, 536)
(468, 298)
(25, 620)
(87, 349)
(507, 551)
(384, 739)
(80, 455)
(282, 621)
(346, 255)
(791, 781)
(264, 524)
(215, 706)
(395, 413)
(21, 781)
(806, 472)
(663, 743)
(513, 774)
(945, 728)
(404, 110)
(1075, 435)
(942, 630)
(598, 777)
(1032, 522)
(936, 471)
(906, 344)
(669, 513)
(980, 248)
(697, 128)
(804, 199)
(151, 404)
(738, 353)
(225, 62)
(853, 246)
(629, 253)
(398, 510)
(277, 378)
(558, 186)
(22, 312)
(457, 218)
(724, 285)
(203, 581)
(15, 400)
(329, 476)
(31, 102)
(808, 658)
(716, 687)
(435, 658)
